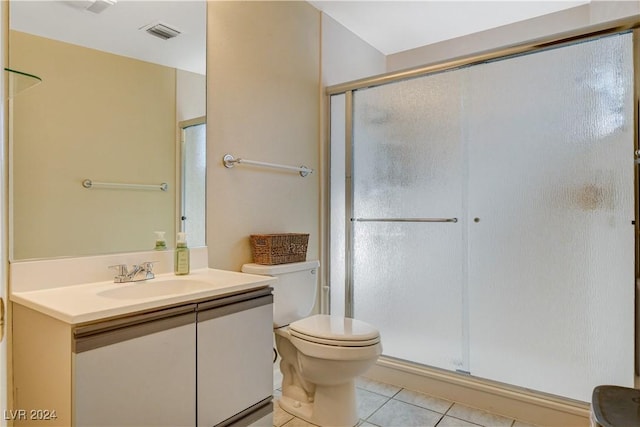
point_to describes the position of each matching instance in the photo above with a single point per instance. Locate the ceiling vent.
(98, 6)
(161, 30)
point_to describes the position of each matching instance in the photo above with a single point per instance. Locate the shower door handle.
(404, 219)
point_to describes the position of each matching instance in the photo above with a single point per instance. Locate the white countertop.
(101, 300)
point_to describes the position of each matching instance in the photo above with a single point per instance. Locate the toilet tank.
(294, 293)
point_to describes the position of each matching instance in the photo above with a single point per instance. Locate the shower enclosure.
(482, 214)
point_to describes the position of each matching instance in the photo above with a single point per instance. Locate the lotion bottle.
(182, 255)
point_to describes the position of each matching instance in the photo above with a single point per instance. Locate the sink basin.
(152, 288)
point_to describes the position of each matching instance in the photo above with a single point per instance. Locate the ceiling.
(395, 26)
(117, 28)
(388, 26)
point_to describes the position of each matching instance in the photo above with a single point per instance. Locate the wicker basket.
(270, 249)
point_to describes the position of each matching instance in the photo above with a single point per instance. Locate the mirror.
(113, 94)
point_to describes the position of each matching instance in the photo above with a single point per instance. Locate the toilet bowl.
(321, 355)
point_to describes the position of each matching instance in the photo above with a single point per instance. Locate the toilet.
(321, 354)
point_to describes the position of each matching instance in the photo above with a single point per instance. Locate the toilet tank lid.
(274, 270)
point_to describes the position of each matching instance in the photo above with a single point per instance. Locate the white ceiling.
(395, 26)
(389, 26)
(116, 29)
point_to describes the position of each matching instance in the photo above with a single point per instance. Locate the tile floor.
(385, 405)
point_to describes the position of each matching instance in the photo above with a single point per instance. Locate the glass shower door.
(551, 256)
(194, 171)
(492, 215)
(407, 213)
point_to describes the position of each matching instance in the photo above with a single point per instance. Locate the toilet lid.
(335, 330)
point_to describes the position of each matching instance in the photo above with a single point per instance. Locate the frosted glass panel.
(194, 181)
(551, 277)
(407, 277)
(407, 154)
(407, 282)
(337, 211)
(534, 285)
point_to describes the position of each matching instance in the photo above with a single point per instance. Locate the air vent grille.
(162, 31)
(98, 6)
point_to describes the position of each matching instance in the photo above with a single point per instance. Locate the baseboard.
(521, 404)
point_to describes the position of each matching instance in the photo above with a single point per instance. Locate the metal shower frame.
(630, 24)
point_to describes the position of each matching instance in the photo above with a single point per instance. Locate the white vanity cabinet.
(139, 371)
(205, 362)
(235, 356)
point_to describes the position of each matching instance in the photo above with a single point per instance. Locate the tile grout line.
(442, 415)
(466, 421)
(424, 407)
(379, 407)
(394, 397)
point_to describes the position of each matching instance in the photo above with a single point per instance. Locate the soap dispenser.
(182, 255)
(161, 243)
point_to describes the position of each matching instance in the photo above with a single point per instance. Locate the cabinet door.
(235, 359)
(142, 375)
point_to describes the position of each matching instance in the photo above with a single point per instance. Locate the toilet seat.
(335, 331)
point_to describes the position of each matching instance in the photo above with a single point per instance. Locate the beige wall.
(263, 101)
(98, 116)
(191, 94)
(6, 362)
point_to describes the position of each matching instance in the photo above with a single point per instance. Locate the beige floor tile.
(368, 402)
(280, 416)
(454, 422)
(377, 387)
(384, 405)
(297, 422)
(395, 413)
(477, 416)
(424, 400)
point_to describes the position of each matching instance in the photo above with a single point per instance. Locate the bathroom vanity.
(172, 351)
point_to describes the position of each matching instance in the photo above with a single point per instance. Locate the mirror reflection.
(121, 83)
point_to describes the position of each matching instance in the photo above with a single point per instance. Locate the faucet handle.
(122, 272)
(120, 268)
(147, 267)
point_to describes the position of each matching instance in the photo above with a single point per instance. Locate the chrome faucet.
(144, 271)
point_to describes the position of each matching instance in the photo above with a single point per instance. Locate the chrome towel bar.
(404, 219)
(229, 161)
(87, 183)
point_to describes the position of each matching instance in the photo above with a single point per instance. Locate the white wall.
(345, 56)
(568, 20)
